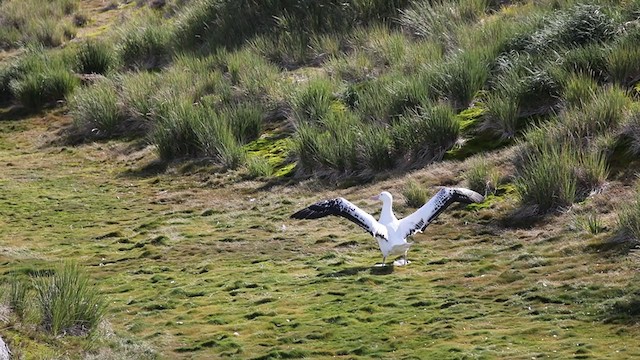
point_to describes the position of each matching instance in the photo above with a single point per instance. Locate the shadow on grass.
(10, 112)
(153, 168)
(625, 310)
(523, 217)
(373, 270)
(619, 244)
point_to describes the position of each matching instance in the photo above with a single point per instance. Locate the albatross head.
(384, 196)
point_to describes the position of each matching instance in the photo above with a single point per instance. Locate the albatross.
(390, 232)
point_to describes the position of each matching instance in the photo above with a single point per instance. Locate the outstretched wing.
(420, 219)
(344, 208)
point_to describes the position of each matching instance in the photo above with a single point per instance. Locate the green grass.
(628, 224)
(95, 57)
(415, 194)
(257, 109)
(555, 175)
(145, 43)
(68, 301)
(186, 264)
(482, 177)
(35, 23)
(96, 111)
(43, 82)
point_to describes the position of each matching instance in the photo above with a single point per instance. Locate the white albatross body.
(390, 232)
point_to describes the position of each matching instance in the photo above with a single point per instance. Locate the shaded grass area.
(200, 271)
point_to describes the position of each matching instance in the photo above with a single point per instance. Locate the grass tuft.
(68, 302)
(97, 112)
(415, 194)
(481, 177)
(628, 224)
(95, 57)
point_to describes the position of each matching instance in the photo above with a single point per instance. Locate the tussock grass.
(591, 223)
(313, 102)
(439, 20)
(138, 90)
(250, 71)
(602, 112)
(176, 133)
(622, 60)
(97, 110)
(245, 120)
(590, 60)
(557, 171)
(17, 297)
(628, 224)
(329, 146)
(68, 302)
(39, 79)
(376, 148)
(186, 131)
(578, 25)
(145, 42)
(482, 177)
(415, 194)
(579, 90)
(259, 167)
(34, 22)
(631, 130)
(95, 57)
(383, 97)
(424, 135)
(461, 77)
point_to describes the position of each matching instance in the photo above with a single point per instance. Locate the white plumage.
(390, 232)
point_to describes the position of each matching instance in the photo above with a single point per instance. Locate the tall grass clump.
(95, 57)
(17, 296)
(589, 60)
(250, 71)
(40, 79)
(460, 78)
(68, 301)
(481, 176)
(176, 132)
(439, 20)
(216, 139)
(579, 25)
(556, 172)
(503, 116)
(97, 111)
(623, 59)
(145, 42)
(414, 194)
(383, 97)
(184, 130)
(628, 224)
(313, 102)
(34, 22)
(259, 167)
(376, 148)
(603, 111)
(330, 146)
(245, 120)
(424, 135)
(579, 90)
(291, 24)
(139, 90)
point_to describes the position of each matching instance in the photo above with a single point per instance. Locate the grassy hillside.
(161, 147)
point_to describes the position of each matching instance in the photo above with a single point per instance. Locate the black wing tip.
(305, 213)
(317, 210)
(466, 196)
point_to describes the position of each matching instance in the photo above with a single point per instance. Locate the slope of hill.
(164, 148)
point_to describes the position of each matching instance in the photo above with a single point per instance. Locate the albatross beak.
(377, 197)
